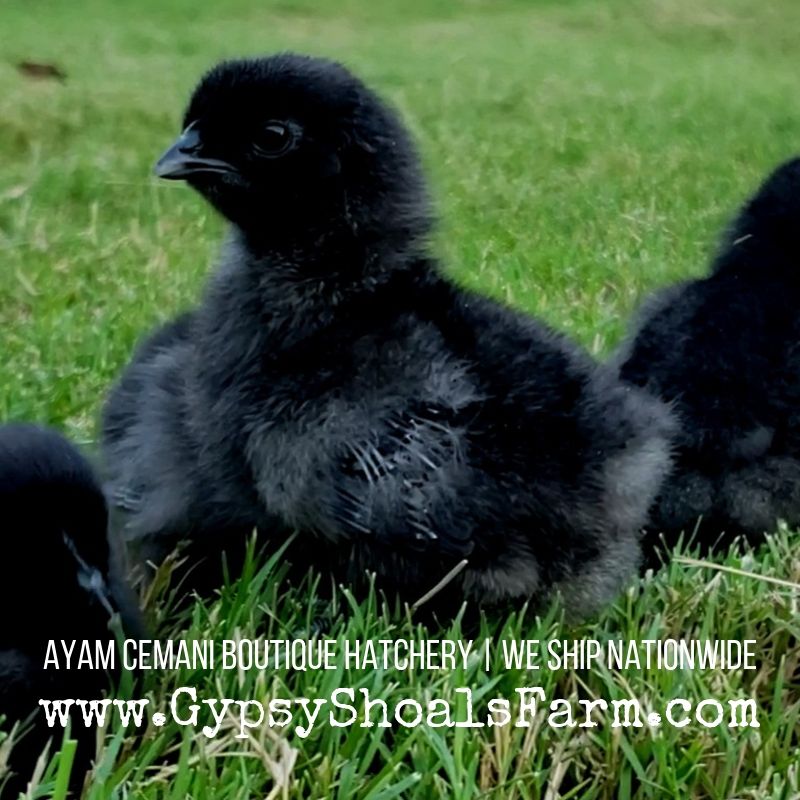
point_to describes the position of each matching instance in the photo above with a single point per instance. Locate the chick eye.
(274, 139)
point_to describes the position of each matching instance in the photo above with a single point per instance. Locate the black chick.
(333, 381)
(724, 350)
(54, 582)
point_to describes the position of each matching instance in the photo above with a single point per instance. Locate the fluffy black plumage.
(332, 381)
(724, 351)
(54, 576)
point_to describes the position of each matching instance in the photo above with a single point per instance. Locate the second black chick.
(54, 583)
(333, 381)
(725, 351)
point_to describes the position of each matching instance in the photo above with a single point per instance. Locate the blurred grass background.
(581, 153)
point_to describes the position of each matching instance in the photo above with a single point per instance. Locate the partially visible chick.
(333, 381)
(725, 352)
(54, 579)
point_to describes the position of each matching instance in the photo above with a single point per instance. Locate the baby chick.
(55, 581)
(724, 351)
(333, 381)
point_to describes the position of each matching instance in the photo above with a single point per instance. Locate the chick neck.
(284, 287)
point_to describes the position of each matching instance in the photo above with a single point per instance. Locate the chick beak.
(185, 158)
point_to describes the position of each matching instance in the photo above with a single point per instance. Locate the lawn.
(581, 154)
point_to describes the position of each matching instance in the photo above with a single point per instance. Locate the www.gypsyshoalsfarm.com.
(346, 707)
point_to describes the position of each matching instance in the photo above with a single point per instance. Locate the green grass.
(581, 154)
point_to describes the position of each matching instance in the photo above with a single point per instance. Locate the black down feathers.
(333, 381)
